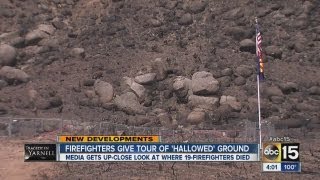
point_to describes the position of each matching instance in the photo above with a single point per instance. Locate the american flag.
(259, 53)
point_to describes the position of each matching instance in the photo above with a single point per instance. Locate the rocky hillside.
(160, 62)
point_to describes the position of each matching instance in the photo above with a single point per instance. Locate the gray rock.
(165, 120)
(55, 102)
(181, 86)
(299, 46)
(231, 101)
(314, 90)
(196, 7)
(305, 107)
(3, 110)
(272, 91)
(49, 29)
(34, 37)
(94, 102)
(145, 78)
(155, 23)
(138, 120)
(160, 67)
(58, 24)
(244, 71)
(77, 52)
(234, 14)
(88, 82)
(274, 51)
(12, 75)
(90, 94)
(203, 83)
(239, 81)
(70, 2)
(17, 42)
(42, 104)
(3, 84)
(196, 117)
(288, 87)
(138, 89)
(8, 55)
(308, 7)
(171, 4)
(221, 114)
(291, 123)
(238, 33)
(186, 19)
(129, 103)
(8, 13)
(277, 99)
(247, 45)
(226, 72)
(104, 90)
(207, 103)
(225, 81)
(288, 11)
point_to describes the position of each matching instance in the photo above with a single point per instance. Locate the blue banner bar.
(158, 148)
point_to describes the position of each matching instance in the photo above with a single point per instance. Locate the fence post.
(10, 128)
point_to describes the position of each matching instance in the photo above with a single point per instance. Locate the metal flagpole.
(258, 87)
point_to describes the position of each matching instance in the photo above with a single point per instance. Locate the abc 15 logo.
(279, 152)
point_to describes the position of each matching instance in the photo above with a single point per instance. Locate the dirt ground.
(13, 167)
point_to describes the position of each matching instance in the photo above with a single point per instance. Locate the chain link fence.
(49, 128)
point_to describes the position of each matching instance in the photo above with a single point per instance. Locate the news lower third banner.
(137, 148)
(156, 152)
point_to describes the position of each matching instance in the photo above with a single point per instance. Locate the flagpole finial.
(256, 19)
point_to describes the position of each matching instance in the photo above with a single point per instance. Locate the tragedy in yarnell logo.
(40, 152)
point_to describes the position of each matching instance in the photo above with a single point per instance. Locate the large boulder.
(207, 103)
(8, 55)
(138, 89)
(145, 78)
(129, 103)
(231, 101)
(247, 45)
(203, 83)
(104, 90)
(12, 75)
